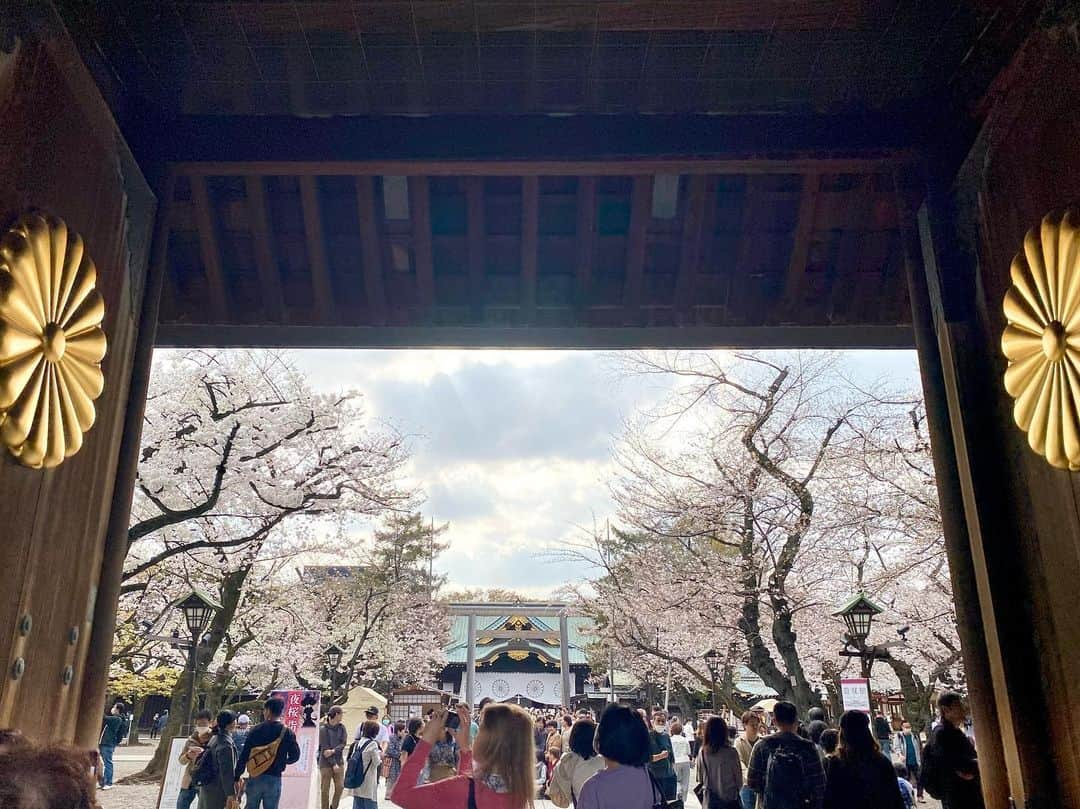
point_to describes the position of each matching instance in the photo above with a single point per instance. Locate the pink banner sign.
(302, 718)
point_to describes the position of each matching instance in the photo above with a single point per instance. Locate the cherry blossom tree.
(244, 467)
(754, 500)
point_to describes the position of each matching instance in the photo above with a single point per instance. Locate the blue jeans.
(364, 803)
(263, 791)
(186, 797)
(748, 798)
(106, 751)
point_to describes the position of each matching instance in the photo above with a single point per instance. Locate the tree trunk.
(918, 696)
(231, 588)
(137, 708)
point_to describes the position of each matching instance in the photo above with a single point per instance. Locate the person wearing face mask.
(662, 757)
(193, 748)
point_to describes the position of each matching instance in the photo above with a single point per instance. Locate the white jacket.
(371, 762)
(571, 773)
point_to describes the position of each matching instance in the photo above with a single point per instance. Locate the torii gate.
(543, 609)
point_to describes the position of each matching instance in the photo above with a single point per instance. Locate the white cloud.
(513, 447)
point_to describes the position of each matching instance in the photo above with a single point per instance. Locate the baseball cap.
(243, 719)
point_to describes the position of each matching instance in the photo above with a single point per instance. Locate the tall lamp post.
(858, 614)
(198, 610)
(712, 661)
(333, 655)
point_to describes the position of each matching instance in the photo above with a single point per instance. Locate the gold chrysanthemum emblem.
(51, 341)
(1042, 339)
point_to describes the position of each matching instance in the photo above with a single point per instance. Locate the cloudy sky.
(513, 448)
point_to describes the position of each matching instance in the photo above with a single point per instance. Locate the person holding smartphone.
(499, 776)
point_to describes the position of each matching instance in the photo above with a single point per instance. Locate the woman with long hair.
(719, 770)
(622, 738)
(496, 771)
(216, 793)
(577, 765)
(859, 776)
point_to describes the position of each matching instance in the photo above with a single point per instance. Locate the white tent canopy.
(360, 699)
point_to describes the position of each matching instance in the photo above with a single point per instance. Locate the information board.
(170, 787)
(855, 694)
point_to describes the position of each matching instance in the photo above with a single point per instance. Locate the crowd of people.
(506, 757)
(633, 760)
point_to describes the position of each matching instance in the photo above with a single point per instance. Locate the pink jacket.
(450, 793)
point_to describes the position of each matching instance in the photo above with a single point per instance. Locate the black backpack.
(931, 770)
(205, 768)
(355, 772)
(785, 780)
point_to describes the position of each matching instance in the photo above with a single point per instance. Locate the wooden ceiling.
(555, 253)
(540, 172)
(340, 57)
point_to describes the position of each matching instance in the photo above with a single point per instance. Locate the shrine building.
(518, 657)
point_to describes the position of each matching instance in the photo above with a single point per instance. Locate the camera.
(453, 721)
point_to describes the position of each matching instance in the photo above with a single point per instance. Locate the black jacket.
(867, 783)
(263, 733)
(958, 756)
(112, 731)
(223, 752)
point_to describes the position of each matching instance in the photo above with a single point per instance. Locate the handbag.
(659, 799)
(703, 791)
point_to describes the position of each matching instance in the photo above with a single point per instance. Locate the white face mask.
(658, 725)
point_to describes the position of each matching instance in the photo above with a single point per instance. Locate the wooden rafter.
(316, 247)
(530, 230)
(552, 168)
(690, 256)
(640, 209)
(749, 231)
(586, 239)
(371, 249)
(795, 279)
(420, 203)
(474, 194)
(265, 260)
(208, 249)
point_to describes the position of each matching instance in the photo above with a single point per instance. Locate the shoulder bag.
(262, 756)
(659, 801)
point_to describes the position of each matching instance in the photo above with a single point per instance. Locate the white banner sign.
(504, 686)
(855, 694)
